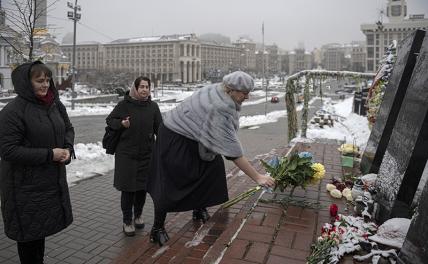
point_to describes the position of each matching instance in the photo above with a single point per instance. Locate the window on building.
(396, 10)
(370, 39)
(370, 52)
(370, 65)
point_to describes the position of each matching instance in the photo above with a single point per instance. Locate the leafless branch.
(12, 45)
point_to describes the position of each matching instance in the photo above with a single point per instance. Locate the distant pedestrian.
(36, 142)
(138, 119)
(188, 168)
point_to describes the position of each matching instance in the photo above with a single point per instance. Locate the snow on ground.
(348, 128)
(272, 117)
(91, 160)
(251, 121)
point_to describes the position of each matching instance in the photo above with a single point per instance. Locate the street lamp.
(73, 15)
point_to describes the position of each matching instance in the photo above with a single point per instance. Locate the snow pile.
(348, 127)
(91, 159)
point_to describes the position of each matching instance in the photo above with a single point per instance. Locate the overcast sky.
(287, 22)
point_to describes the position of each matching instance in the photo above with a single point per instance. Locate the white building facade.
(173, 58)
(380, 35)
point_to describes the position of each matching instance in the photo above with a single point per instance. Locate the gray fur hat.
(239, 81)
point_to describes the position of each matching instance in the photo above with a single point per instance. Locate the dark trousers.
(130, 200)
(31, 252)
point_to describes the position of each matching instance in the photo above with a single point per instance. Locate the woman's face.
(143, 89)
(40, 84)
(239, 96)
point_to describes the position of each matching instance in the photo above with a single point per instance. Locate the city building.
(248, 55)
(298, 60)
(317, 58)
(273, 59)
(218, 59)
(89, 55)
(358, 56)
(260, 56)
(284, 62)
(380, 35)
(333, 57)
(169, 58)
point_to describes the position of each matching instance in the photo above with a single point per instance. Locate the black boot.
(201, 214)
(159, 235)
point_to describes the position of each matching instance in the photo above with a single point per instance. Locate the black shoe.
(159, 235)
(201, 214)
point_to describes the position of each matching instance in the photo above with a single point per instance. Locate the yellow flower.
(319, 171)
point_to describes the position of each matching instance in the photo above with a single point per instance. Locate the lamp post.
(73, 15)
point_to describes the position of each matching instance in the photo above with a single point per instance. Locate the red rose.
(333, 210)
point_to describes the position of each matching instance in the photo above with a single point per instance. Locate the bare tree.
(23, 15)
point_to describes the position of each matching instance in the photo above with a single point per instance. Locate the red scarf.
(48, 98)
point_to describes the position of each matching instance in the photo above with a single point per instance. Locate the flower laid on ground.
(342, 237)
(349, 149)
(296, 170)
(338, 189)
(319, 172)
(333, 210)
(305, 154)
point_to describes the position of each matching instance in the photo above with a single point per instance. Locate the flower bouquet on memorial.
(296, 170)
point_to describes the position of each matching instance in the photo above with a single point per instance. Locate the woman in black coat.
(138, 119)
(36, 142)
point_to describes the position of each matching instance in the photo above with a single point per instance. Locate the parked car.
(274, 99)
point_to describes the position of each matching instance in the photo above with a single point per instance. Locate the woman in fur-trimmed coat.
(188, 168)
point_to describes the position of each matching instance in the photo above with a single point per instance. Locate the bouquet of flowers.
(297, 170)
(346, 235)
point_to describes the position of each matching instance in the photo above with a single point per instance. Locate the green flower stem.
(292, 191)
(241, 197)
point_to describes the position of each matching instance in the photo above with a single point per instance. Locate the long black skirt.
(180, 179)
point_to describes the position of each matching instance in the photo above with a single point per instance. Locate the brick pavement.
(244, 233)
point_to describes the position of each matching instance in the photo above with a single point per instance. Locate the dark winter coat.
(134, 150)
(35, 200)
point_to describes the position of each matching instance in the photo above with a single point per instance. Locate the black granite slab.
(407, 151)
(391, 103)
(415, 247)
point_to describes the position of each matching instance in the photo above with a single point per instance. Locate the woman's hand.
(125, 122)
(65, 156)
(60, 155)
(265, 180)
(247, 168)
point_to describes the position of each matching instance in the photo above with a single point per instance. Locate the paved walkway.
(248, 232)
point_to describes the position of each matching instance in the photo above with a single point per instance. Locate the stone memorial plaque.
(392, 100)
(415, 247)
(406, 154)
